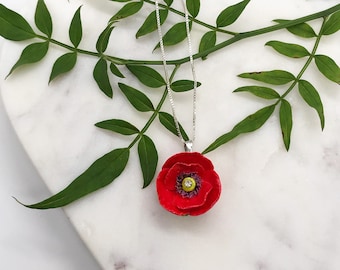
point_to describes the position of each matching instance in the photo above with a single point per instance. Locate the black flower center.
(188, 184)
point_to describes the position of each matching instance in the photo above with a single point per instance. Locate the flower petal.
(212, 197)
(189, 158)
(166, 199)
(185, 203)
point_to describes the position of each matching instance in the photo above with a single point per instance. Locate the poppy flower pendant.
(188, 184)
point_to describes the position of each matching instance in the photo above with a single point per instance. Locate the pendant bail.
(188, 145)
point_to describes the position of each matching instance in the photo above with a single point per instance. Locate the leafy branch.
(193, 8)
(17, 29)
(278, 77)
(107, 168)
(111, 165)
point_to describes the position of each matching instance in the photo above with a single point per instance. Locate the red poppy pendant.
(188, 184)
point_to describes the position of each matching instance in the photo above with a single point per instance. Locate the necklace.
(187, 183)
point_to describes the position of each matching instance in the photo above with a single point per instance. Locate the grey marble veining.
(278, 210)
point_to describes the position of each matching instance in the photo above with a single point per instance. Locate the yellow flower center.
(188, 184)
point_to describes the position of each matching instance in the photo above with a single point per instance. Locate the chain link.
(188, 145)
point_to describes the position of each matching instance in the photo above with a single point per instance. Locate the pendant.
(188, 184)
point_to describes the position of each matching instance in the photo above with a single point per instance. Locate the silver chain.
(187, 144)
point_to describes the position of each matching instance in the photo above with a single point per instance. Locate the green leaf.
(332, 25)
(328, 67)
(137, 99)
(207, 42)
(231, 14)
(259, 91)
(75, 31)
(100, 74)
(43, 18)
(31, 54)
(175, 35)
(302, 30)
(128, 10)
(249, 124)
(100, 174)
(118, 126)
(150, 23)
(63, 64)
(168, 122)
(13, 26)
(193, 7)
(254, 121)
(148, 159)
(116, 71)
(312, 98)
(168, 2)
(147, 75)
(275, 77)
(286, 122)
(288, 49)
(183, 85)
(103, 39)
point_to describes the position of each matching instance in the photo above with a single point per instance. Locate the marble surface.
(278, 210)
(33, 240)
(29, 239)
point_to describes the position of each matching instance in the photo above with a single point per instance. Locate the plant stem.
(309, 60)
(261, 31)
(237, 37)
(156, 111)
(230, 135)
(243, 35)
(214, 28)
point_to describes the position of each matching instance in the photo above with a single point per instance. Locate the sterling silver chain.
(188, 145)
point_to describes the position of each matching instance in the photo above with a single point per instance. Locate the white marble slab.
(278, 210)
